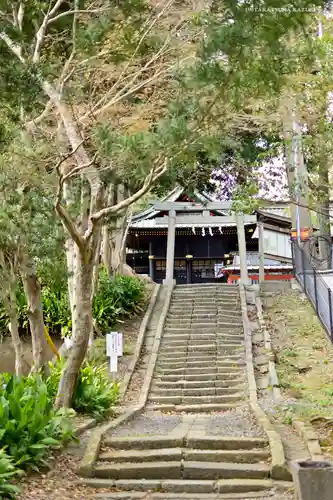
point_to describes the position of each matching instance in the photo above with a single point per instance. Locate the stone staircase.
(200, 366)
(196, 438)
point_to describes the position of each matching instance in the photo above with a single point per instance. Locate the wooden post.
(170, 248)
(261, 253)
(244, 278)
(188, 269)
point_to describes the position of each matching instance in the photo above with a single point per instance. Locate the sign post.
(114, 348)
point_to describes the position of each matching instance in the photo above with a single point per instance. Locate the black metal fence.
(314, 286)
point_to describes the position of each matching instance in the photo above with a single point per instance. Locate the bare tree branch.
(15, 48)
(68, 223)
(154, 174)
(67, 64)
(20, 16)
(101, 105)
(40, 35)
(32, 124)
(79, 169)
(76, 12)
(122, 94)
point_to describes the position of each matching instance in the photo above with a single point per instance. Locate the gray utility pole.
(261, 253)
(303, 217)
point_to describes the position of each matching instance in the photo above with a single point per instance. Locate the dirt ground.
(7, 354)
(304, 361)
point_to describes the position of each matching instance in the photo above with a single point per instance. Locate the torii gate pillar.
(244, 277)
(169, 279)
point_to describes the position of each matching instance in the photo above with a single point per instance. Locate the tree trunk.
(8, 275)
(32, 291)
(82, 326)
(11, 306)
(114, 234)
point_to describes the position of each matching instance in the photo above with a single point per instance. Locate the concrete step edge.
(224, 470)
(146, 455)
(145, 470)
(194, 408)
(135, 489)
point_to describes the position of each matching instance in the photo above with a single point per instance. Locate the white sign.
(114, 348)
(119, 344)
(111, 344)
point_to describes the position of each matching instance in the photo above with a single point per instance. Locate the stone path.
(196, 438)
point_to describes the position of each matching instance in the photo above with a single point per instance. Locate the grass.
(305, 358)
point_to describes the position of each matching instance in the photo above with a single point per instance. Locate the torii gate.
(205, 218)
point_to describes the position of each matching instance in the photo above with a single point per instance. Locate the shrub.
(95, 393)
(29, 426)
(57, 315)
(116, 298)
(8, 472)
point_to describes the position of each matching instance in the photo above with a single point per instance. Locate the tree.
(250, 53)
(28, 233)
(8, 275)
(92, 153)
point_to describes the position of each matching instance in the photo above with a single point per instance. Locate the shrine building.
(194, 239)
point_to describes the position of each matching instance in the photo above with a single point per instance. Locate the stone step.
(192, 408)
(225, 443)
(235, 456)
(201, 286)
(202, 336)
(164, 454)
(212, 375)
(212, 391)
(204, 292)
(213, 363)
(174, 469)
(180, 489)
(213, 358)
(193, 323)
(224, 359)
(144, 442)
(190, 455)
(195, 400)
(221, 370)
(201, 357)
(170, 365)
(214, 348)
(194, 384)
(212, 470)
(184, 314)
(221, 329)
(217, 342)
(197, 309)
(217, 298)
(145, 470)
(196, 345)
(196, 302)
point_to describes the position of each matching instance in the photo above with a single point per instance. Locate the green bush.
(57, 315)
(8, 472)
(95, 393)
(116, 298)
(29, 426)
